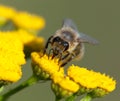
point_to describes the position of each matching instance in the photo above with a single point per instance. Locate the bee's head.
(59, 45)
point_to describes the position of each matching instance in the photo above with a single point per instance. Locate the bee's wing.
(69, 23)
(83, 37)
(87, 39)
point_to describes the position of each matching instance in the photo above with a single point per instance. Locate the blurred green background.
(98, 18)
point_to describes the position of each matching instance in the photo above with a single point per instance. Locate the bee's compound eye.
(66, 45)
(56, 39)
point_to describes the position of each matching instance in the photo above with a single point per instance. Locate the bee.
(68, 43)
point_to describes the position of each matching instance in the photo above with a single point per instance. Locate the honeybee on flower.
(68, 43)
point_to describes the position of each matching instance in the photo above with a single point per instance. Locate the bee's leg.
(46, 46)
(50, 51)
(53, 54)
(67, 58)
(60, 57)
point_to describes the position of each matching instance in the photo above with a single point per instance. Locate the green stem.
(32, 80)
(88, 97)
(1, 88)
(57, 98)
(71, 98)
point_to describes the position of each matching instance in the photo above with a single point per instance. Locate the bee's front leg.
(46, 46)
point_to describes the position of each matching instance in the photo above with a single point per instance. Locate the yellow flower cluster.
(77, 78)
(11, 58)
(50, 69)
(21, 19)
(13, 44)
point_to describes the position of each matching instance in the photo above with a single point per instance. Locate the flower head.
(62, 85)
(11, 58)
(43, 65)
(91, 80)
(28, 21)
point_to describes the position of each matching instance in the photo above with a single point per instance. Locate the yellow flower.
(21, 19)
(77, 81)
(6, 12)
(28, 21)
(11, 58)
(31, 42)
(62, 85)
(90, 79)
(42, 65)
(47, 68)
